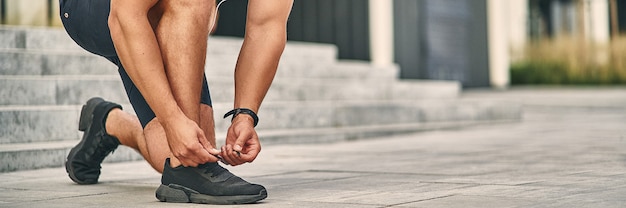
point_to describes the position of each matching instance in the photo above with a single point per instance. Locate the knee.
(198, 8)
(119, 15)
(114, 24)
(128, 13)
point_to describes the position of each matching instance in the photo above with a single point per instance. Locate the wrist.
(243, 113)
(245, 118)
(171, 118)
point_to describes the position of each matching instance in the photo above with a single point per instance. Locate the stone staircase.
(45, 78)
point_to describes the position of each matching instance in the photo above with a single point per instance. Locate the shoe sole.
(86, 116)
(179, 194)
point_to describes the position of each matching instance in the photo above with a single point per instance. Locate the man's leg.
(182, 32)
(185, 64)
(181, 28)
(174, 100)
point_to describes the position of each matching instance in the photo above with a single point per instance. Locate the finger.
(190, 161)
(186, 162)
(236, 157)
(241, 140)
(225, 157)
(231, 139)
(214, 151)
(250, 155)
(252, 149)
(184, 159)
(201, 155)
(228, 155)
(218, 154)
(204, 141)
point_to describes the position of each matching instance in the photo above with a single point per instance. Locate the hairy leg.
(126, 128)
(182, 32)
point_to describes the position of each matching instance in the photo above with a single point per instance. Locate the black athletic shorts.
(86, 21)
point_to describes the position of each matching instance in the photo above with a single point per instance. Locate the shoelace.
(214, 171)
(102, 150)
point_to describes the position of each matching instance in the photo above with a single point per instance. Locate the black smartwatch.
(238, 111)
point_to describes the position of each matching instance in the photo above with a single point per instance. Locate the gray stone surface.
(57, 39)
(559, 157)
(75, 89)
(51, 62)
(59, 90)
(12, 38)
(37, 124)
(69, 62)
(35, 38)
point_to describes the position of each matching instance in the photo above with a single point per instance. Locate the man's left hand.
(242, 142)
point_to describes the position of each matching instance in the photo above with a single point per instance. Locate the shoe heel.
(83, 121)
(86, 113)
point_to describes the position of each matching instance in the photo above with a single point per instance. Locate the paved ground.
(569, 151)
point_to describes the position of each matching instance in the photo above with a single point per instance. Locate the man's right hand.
(188, 142)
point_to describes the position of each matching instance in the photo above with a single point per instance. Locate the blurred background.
(480, 43)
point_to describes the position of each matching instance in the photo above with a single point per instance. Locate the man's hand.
(188, 142)
(242, 142)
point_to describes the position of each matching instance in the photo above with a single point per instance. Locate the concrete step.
(39, 38)
(58, 90)
(24, 124)
(48, 62)
(54, 62)
(28, 156)
(75, 89)
(35, 38)
(25, 156)
(294, 50)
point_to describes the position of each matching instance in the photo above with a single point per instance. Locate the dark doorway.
(343, 23)
(442, 40)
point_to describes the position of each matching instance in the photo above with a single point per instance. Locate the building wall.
(580, 18)
(409, 47)
(443, 40)
(517, 27)
(597, 21)
(434, 39)
(343, 23)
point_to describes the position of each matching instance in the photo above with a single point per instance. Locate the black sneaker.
(207, 184)
(83, 162)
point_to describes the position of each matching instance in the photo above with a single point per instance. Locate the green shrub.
(536, 72)
(567, 61)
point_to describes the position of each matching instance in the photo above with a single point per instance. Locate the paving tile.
(468, 201)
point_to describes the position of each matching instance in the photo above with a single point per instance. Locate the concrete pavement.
(568, 151)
